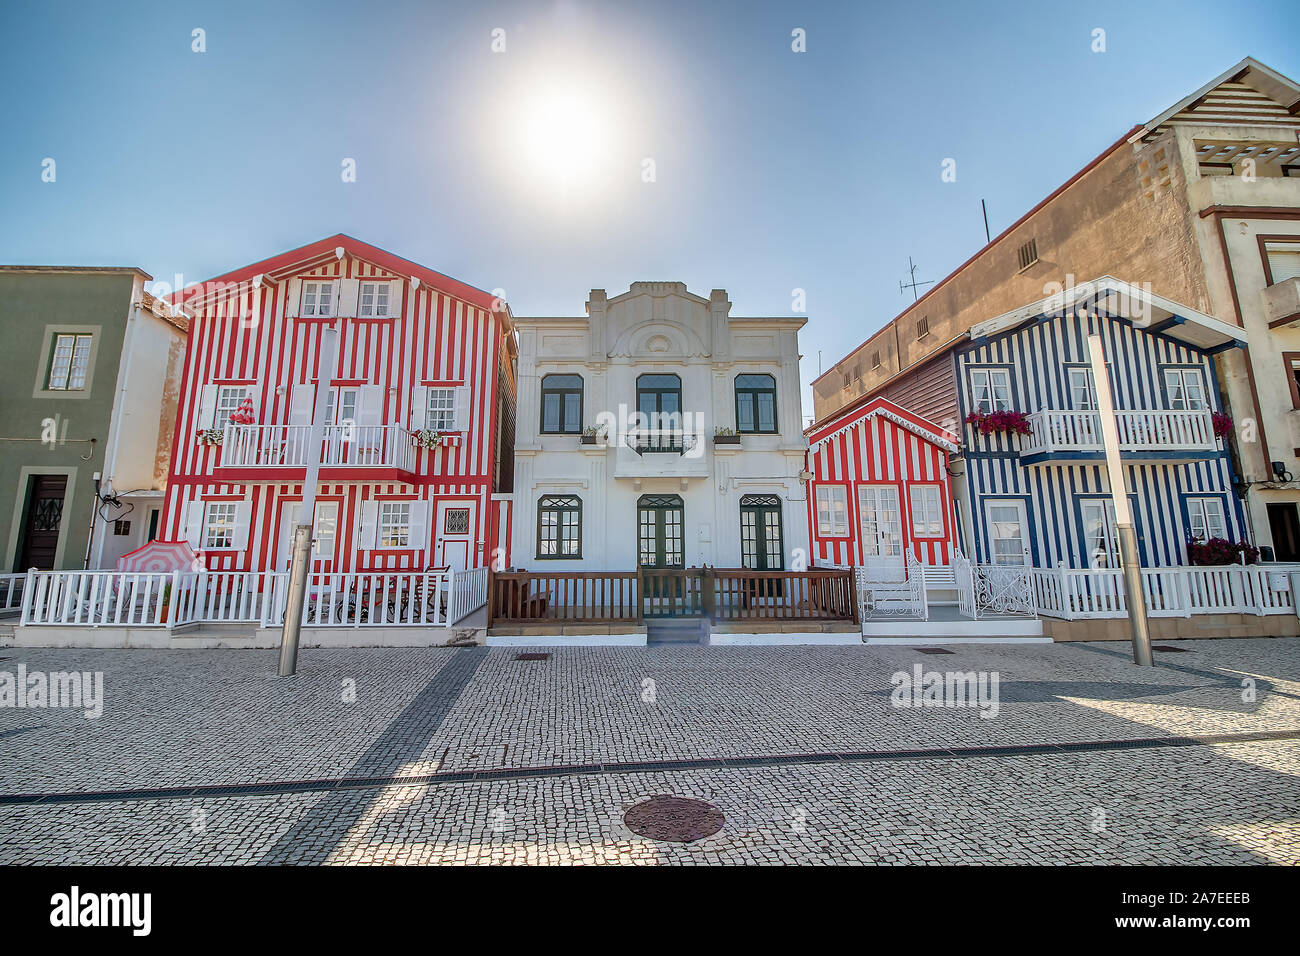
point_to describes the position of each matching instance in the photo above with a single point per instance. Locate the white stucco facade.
(659, 328)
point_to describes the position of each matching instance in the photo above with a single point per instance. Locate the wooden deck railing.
(721, 594)
(580, 597)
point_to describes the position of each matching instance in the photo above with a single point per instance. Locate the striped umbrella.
(244, 414)
(160, 557)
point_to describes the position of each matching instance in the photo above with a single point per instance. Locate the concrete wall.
(34, 304)
(1176, 628)
(1103, 224)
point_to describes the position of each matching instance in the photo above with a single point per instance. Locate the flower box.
(1011, 423)
(210, 436)
(1220, 551)
(726, 439)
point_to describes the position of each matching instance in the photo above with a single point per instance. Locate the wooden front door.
(42, 522)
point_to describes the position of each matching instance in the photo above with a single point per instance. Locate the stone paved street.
(761, 726)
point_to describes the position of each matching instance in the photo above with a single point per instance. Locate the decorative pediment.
(659, 341)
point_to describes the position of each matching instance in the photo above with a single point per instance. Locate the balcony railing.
(344, 446)
(1148, 430)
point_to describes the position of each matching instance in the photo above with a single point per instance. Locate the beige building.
(1201, 205)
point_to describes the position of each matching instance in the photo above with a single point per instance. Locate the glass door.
(880, 519)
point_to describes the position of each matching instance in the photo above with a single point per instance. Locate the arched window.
(561, 404)
(559, 526)
(756, 404)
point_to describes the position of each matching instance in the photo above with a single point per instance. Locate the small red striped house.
(880, 485)
(420, 415)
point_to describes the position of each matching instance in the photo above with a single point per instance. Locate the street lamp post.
(1128, 551)
(300, 562)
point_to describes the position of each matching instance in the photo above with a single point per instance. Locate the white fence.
(11, 586)
(437, 598)
(1079, 594)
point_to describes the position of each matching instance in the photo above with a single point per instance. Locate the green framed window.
(561, 404)
(69, 363)
(559, 526)
(756, 404)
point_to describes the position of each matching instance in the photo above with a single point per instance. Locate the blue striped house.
(1042, 498)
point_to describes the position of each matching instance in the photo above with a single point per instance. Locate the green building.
(89, 378)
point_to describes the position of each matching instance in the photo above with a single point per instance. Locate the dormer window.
(318, 299)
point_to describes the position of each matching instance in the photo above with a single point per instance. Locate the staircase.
(692, 629)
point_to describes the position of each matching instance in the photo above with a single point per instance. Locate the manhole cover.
(532, 656)
(674, 819)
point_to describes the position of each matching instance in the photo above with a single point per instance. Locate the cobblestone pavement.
(185, 719)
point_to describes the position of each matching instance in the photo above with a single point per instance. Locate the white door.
(1008, 531)
(881, 525)
(454, 544)
(324, 533)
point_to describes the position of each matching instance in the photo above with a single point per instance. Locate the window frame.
(926, 486)
(377, 285)
(561, 391)
(752, 393)
(78, 338)
(659, 392)
(218, 421)
(231, 510)
(990, 371)
(316, 312)
(1189, 501)
(1291, 369)
(1071, 373)
(843, 489)
(449, 391)
(383, 522)
(573, 507)
(1182, 371)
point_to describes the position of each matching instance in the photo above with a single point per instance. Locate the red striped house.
(879, 485)
(417, 455)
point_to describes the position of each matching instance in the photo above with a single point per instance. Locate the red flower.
(1013, 423)
(1222, 422)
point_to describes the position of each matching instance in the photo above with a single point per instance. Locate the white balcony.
(344, 446)
(1149, 431)
(660, 453)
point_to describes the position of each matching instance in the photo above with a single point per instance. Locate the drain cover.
(1168, 649)
(932, 650)
(674, 819)
(532, 656)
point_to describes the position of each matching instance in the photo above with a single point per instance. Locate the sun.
(563, 135)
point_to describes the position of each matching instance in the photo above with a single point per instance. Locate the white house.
(659, 431)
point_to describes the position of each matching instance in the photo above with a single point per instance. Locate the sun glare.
(563, 136)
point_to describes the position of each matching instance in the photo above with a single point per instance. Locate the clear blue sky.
(774, 170)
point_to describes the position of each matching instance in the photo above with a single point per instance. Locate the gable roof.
(1145, 309)
(880, 408)
(296, 260)
(1264, 96)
